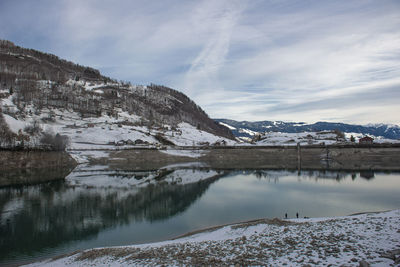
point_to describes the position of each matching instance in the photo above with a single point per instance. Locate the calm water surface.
(42, 221)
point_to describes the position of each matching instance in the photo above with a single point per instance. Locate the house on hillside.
(220, 143)
(366, 140)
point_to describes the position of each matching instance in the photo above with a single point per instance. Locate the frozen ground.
(360, 240)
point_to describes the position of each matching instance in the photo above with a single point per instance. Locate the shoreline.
(15, 165)
(338, 240)
(268, 221)
(21, 168)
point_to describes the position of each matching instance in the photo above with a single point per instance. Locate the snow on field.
(377, 139)
(306, 138)
(124, 130)
(105, 132)
(188, 135)
(360, 240)
(13, 124)
(100, 134)
(382, 140)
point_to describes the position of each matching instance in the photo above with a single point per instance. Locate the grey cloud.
(237, 59)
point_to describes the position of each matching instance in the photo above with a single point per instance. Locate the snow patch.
(319, 242)
(227, 125)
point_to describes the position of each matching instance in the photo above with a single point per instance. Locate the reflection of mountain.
(51, 214)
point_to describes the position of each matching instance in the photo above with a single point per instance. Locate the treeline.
(18, 63)
(68, 66)
(32, 138)
(188, 111)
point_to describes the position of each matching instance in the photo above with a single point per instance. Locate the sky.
(299, 61)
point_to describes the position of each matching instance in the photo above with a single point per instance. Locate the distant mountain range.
(248, 129)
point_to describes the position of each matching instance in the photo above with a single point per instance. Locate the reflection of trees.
(53, 213)
(367, 175)
(318, 174)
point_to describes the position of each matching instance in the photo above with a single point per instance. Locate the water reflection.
(274, 175)
(51, 215)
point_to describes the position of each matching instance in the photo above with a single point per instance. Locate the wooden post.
(327, 157)
(298, 158)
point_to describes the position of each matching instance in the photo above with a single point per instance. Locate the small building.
(120, 143)
(366, 140)
(204, 143)
(220, 143)
(140, 142)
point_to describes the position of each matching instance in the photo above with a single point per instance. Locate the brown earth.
(32, 167)
(313, 158)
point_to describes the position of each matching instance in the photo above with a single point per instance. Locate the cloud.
(220, 18)
(250, 60)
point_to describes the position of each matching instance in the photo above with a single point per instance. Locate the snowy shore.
(371, 239)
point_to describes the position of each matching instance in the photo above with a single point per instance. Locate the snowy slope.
(247, 129)
(38, 80)
(358, 240)
(104, 132)
(307, 138)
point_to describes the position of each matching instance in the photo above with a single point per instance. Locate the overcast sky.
(245, 60)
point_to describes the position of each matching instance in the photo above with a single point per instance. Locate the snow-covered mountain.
(247, 129)
(42, 95)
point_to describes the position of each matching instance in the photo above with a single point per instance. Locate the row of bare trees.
(34, 138)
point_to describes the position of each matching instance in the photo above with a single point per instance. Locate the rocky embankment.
(32, 167)
(311, 157)
(26, 168)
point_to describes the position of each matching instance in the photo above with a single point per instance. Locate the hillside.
(48, 102)
(40, 92)
(247, 129)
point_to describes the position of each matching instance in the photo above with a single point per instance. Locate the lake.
(87, 210)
